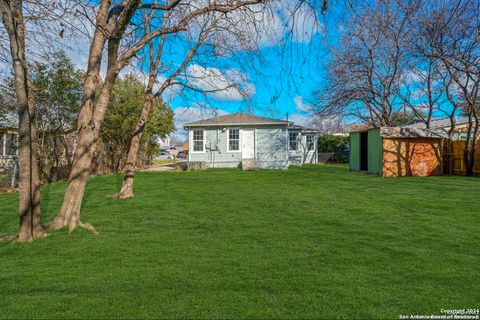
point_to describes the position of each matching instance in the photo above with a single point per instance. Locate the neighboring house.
(236, 139)
(164, 142)
(8, 140)
(55, 151)
(444, 124)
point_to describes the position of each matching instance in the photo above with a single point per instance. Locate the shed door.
(248, 144)
(364, 151)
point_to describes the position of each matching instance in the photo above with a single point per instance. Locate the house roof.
(437, 123)
(236, 119)
(397, 132)
(9, 120)
(302, 128)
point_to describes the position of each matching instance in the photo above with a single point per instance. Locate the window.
(233, 140)
(8, 144)
(11, 146)
(198, 142)
(310, 142)
(293, 141)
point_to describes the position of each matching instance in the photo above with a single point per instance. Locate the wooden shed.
(396, 152)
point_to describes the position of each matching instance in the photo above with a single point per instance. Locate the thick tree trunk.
(92, 113)
(29, 181)
(468, 164)
(127, 186)
(69, 215)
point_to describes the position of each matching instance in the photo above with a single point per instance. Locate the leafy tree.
(402, 118)
(122, 114)
(331, 143)
(57, 88)
(336, 144)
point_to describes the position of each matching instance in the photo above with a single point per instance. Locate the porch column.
(4, 145)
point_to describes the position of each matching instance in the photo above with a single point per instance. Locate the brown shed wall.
(411, 157)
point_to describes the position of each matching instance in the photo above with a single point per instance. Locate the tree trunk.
(92, 114)
(127, 186)
(69, 215)
(468, 164)
(470, 152)
(29, 181)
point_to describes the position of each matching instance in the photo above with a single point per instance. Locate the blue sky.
(282, 83)
(280, 77)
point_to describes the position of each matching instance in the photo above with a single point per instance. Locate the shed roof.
(236, 119)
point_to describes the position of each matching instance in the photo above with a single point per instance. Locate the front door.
(248, 144)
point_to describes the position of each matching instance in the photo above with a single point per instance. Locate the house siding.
(216, 153)
(302, 155)
(271, 148)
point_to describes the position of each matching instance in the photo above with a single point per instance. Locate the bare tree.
(366, 73)
(115, 34)
(111, 24)
(451, 31)
(423, 89)
(29, 181)
(154, 58)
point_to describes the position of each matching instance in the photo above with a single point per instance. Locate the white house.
(235, 139)
(8, 140)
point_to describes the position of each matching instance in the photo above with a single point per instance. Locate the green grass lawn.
(312, 242)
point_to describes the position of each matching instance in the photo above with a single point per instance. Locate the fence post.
(14, 174)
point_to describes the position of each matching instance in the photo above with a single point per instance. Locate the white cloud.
(258, 24)
(324, 124)
(266, 25)
(246, 28)
(230, 85)
(300, 119)
(328, 124)
(183, 115)
(300, 105)
(413, 77)
(57, 26)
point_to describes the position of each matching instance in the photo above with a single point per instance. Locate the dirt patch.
(7, 190)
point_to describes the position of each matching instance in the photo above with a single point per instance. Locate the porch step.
(249, 164)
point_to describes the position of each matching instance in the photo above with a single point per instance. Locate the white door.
(248, 144)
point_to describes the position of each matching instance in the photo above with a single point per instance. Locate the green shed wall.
(374, 151)
(355, 151)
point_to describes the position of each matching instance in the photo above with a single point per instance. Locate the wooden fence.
(457, 163)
